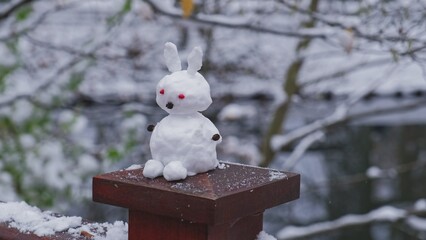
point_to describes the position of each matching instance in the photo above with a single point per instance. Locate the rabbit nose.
(169, 105)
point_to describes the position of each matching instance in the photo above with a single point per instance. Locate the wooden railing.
(223, 204)
(7, 232)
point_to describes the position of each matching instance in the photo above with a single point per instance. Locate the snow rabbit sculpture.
(183, 143)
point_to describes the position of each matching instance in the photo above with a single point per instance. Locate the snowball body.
(182, 143)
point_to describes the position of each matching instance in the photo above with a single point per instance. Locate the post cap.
(215, 197)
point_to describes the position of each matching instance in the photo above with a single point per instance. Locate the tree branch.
(382, 214)
(5, 101)
(290, 88)
(362, 177)
(332, 23)
(70, 50)
(340, 116)
(301, 148)
(237, 23)
(13, 7)
(344, 71)
(31, 26)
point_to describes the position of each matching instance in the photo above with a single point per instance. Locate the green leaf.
(131, 142)
(395, 55)
(127, 6)
(23, 13)
(38, 121)
(12, 45)
(114, 155)
(410, 44)
(4, 71)
(75, 80)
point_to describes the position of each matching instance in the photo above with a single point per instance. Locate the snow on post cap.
(172, 57)
(195, 60)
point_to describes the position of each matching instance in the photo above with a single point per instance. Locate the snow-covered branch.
(70, 50)
(32, 24)
(44, 84)
(345, 71)
(339, 116)
(237, 22)
(353, 23)
(382, 214)
(301, 148)
(372, 173)
(7, 100)
(12, 7)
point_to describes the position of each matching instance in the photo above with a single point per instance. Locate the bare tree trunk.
(290, 87)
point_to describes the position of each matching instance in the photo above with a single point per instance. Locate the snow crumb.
(264, 236)
(374, 172)
(276, 175)
(222, 166)
(134, 167)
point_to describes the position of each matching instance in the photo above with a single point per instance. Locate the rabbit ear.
(172, 57)
(195, 60)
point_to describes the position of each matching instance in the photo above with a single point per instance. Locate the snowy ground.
(28, 219)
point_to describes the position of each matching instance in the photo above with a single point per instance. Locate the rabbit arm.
(216, 137)
(150, 128)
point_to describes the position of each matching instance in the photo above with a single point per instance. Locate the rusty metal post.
(218, 205)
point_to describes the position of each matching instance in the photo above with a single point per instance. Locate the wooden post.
(218, 205)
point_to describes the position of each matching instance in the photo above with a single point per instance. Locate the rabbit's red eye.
(181, 96)
(162, 91)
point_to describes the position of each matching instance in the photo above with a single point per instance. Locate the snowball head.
(183, 93)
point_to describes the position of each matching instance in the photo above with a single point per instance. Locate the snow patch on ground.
(28, 219)
(103, 231)
(264, 236)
